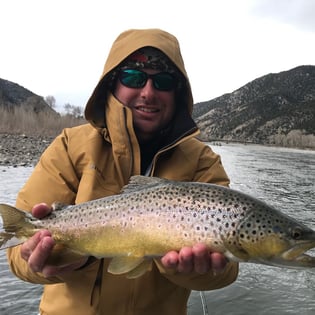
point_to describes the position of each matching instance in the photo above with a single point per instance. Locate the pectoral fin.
(132, 267)
(234, 253)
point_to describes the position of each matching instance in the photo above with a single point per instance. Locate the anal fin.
(140, 270)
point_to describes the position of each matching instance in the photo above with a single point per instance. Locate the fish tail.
(14, 225)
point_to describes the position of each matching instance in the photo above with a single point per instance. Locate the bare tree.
(51, 101)
(73, 110)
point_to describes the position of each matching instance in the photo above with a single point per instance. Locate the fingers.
(195, 259)
(186, 260)
(37, 259)
(218, 262)
(202, 260)
(29, 246)
(41, 210)
(37, 249)
(170, 260)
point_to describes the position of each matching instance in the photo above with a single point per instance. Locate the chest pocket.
(94, 185)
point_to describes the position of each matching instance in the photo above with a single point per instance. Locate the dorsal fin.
(139, 182)
(57, 206)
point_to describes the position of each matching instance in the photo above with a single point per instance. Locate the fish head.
(270, 237)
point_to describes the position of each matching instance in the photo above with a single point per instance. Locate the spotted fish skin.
(152, 216)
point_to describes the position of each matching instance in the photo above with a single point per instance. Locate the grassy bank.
(50, 124)
(21, 121)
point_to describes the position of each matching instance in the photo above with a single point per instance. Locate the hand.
(37, 249)
(195, 259)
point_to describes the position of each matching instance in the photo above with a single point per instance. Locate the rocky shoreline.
(22, 150)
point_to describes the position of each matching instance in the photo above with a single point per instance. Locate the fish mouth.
(297, 257)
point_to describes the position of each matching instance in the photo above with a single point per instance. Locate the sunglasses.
(133, 78)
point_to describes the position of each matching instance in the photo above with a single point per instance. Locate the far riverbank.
(25, 150)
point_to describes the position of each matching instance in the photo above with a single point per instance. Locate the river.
(280, 176)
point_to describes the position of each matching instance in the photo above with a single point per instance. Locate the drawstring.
(98, 280)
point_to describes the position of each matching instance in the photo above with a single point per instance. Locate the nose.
(148, 89)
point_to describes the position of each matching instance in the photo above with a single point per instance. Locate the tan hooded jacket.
(96, 160)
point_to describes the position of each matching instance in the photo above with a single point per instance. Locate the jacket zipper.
(187, 135)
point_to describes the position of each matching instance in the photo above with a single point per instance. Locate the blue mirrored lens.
(134, 78)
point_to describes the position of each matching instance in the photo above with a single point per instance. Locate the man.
(139, 123)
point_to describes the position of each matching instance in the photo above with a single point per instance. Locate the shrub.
(18, 120)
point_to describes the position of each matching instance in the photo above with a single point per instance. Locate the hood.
(125, 44)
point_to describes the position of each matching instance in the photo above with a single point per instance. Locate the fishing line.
(204, 303)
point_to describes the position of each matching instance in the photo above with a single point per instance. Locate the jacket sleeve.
(208, 169)
(53, 179)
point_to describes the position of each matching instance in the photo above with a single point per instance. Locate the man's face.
(152, 109)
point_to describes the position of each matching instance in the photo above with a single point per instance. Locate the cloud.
(297, 13)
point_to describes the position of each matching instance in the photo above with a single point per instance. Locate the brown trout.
(152, 216)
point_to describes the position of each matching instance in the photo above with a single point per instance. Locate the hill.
(273, 109)
(23, 112)
(13, 95)
(27, 125)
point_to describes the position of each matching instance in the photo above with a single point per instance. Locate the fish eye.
(296, 233)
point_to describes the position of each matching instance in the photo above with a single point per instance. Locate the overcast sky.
(59, 47)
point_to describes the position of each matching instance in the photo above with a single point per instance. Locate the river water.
(282, 177)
